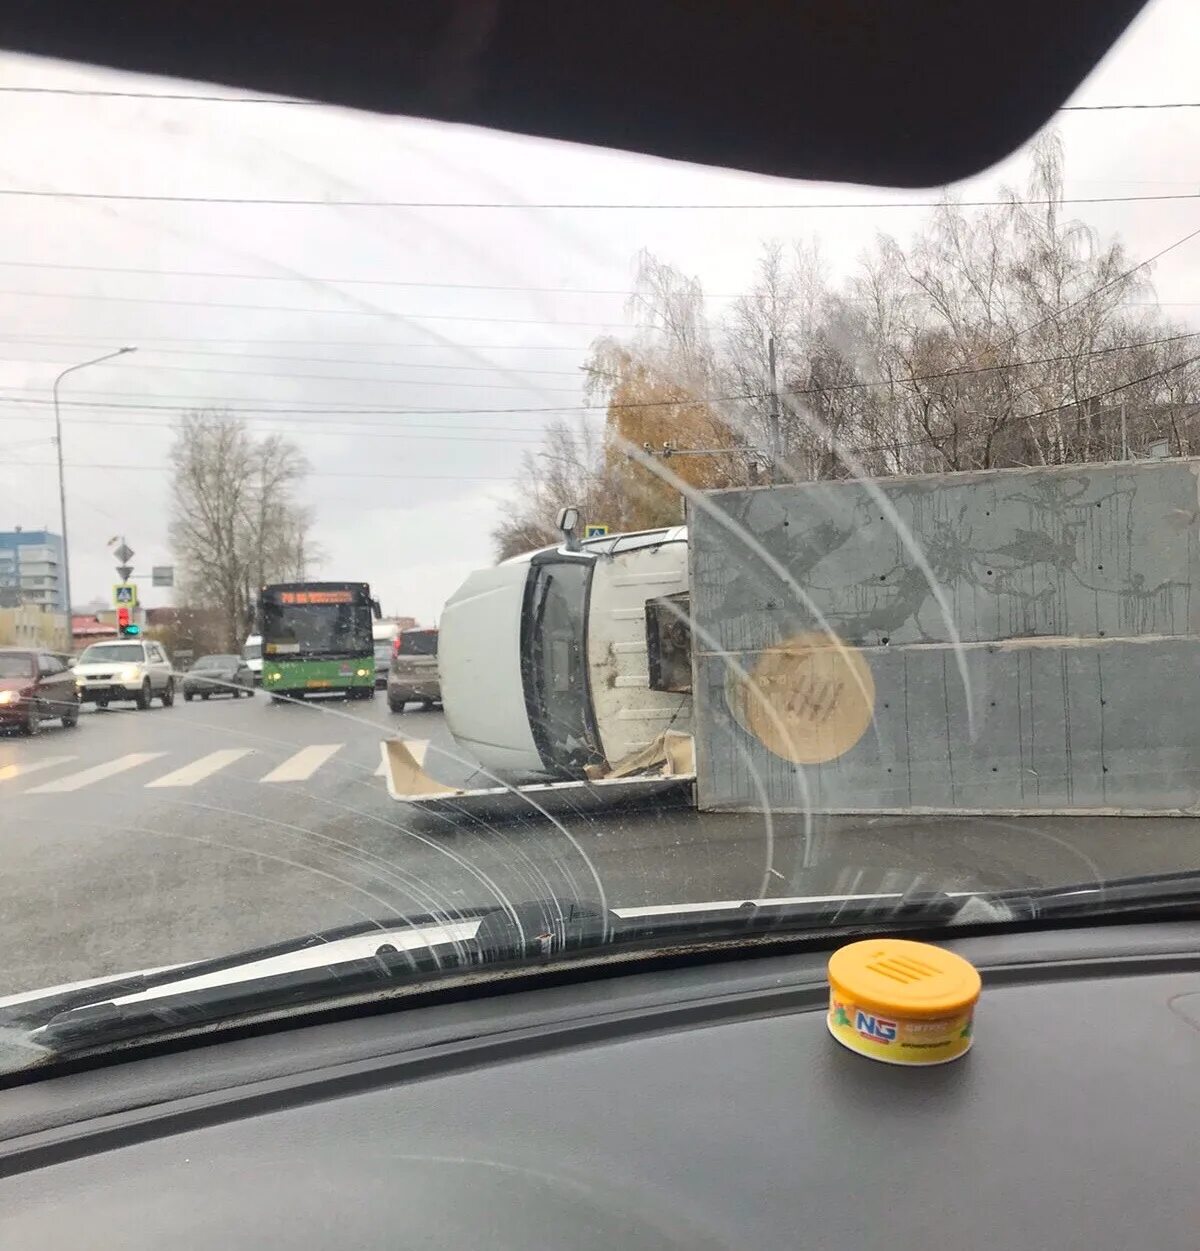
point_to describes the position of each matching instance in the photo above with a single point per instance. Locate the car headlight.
(130, 673)
(9, 697)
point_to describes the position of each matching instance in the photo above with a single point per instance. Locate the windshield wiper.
(371, 959)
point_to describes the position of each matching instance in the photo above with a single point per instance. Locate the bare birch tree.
(236, 522)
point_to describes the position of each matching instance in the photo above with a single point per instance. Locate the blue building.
(31, 569)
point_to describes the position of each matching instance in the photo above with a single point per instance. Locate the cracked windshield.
(413, 532)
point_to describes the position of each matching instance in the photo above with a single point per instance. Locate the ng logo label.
(876, 1028)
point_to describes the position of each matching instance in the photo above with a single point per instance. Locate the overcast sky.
(358, 308)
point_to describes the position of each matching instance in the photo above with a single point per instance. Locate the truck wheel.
(143, 696)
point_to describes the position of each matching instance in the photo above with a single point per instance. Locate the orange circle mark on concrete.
(808, 699)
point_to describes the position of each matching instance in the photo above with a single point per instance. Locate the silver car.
(413, 674)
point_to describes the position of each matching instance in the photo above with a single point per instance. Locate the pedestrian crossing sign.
(594, 532)
(125, 595)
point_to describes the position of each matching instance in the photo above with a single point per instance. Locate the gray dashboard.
(700, 1107)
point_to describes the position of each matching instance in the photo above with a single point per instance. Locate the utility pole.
(773, 399)
(62, 482)
(1124, 434)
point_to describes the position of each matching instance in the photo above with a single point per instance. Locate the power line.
(1149, 260)
(319, 473)
(862, 384)
(289, 416)
(308, 431)
(264, 373)
(143, 340)
(314, 312)
(445, 205)
(342, 282)
(580, 374)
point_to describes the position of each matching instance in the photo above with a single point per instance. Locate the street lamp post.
(62, 483)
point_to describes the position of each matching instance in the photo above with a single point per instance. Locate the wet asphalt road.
(146, 838)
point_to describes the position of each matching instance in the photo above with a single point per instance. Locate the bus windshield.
(310, 629)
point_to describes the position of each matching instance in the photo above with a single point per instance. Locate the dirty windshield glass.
(376, 402)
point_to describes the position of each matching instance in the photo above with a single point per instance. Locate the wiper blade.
(369, 960)
(337, 967)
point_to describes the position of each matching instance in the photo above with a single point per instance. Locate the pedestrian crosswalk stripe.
(19, 770)
(97, 773)
(417, 748)
(200, 769)
(301, 766)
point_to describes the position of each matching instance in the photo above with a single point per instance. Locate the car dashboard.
(704, 1106)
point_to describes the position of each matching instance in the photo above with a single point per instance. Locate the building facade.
(31, 570)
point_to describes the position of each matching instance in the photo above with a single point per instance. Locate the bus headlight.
(361, 673)
(274, 677)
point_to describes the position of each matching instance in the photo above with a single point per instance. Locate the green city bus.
(317, 636)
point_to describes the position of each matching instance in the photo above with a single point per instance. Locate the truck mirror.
(568, 525)
(568, 519)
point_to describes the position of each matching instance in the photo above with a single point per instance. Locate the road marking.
(301, 766)
(200, 769)
(77, 781)
(417, 748)
(19, 770)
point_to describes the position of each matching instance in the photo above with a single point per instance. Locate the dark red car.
(36, 686)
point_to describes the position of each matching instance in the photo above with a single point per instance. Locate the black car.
(218, 675)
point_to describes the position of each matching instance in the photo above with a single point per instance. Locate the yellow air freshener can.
(902, 1002)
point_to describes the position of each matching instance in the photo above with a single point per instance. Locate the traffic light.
(125, 623)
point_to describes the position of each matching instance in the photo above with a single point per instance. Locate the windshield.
(106, 653)
(16, 665)
(316, 629)
(554, 664)
(773, 539)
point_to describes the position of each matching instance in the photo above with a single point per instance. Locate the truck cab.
(545, 668)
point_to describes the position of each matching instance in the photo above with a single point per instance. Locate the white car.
(134, 670)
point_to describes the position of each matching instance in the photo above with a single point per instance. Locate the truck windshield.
(554, 665)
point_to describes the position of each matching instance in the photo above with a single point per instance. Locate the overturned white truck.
(1009, 641)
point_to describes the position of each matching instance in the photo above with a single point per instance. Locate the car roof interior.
(907, 93)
